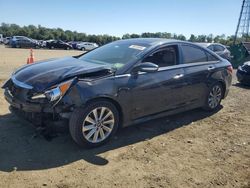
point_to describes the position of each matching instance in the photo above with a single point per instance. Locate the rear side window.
(192, 54)
(210, 57)
(218, 48)
(211, 47)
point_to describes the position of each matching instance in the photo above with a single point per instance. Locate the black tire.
(208, 107)
(78, 117)
(83, 49)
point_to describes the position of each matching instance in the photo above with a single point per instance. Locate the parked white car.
(6, 40)
(86, 46)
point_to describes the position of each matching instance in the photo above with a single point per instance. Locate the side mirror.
(145, 67)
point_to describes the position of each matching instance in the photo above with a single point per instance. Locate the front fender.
(84, 91)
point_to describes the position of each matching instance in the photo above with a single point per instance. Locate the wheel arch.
(111, 100)
(223, 84)
(218, 77)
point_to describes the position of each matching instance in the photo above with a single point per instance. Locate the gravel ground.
(191, 149)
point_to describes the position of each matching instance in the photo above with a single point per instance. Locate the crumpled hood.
(42, 75)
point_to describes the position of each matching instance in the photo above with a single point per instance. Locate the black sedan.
(243, 73)
(119, 84)
(58, 44)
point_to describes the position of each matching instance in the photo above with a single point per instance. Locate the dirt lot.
(192, 149)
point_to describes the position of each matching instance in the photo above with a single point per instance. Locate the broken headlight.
(59, 91)
(56, 92)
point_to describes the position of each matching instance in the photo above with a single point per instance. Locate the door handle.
(210, 68)
(178, 76)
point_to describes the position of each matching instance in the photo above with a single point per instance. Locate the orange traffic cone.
(31, 58)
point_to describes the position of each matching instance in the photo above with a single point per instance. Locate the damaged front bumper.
(26, 106)
(51, 120)
(38, 113)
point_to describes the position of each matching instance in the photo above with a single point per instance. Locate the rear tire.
(214, 97)
(95, 124)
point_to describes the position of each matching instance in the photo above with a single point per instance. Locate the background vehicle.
(119, 84)
(42, 43)
(243, 73)
(219, 49)
(23, 42)
(58, 44)
(6, 40)
(86, 46)
(1, 38)
(74, 44)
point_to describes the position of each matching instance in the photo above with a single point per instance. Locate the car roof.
(204, 44)
(87, 42)
(154, 42)
(20, 36)
(151, 41)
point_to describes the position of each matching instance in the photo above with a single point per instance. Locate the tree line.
(223, 39)
(43, 33)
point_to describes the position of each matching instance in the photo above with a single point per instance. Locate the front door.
(160, 91)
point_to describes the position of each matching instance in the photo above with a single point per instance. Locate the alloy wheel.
(98, 124)
(214, 97)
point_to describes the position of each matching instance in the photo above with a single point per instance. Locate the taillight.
(230, 69)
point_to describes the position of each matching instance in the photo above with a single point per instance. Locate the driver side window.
(165, 57)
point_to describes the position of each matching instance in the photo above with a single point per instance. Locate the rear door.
(159, 91)
(19, 42)
(198, 65)
(26, 43)
(23, 42)
(60, 44)
(30, 44)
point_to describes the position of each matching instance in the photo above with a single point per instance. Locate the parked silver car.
(1, 38)
(86, 46)
(219, 49)
(6, 40)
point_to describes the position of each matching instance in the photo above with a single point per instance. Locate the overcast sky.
(117, 17)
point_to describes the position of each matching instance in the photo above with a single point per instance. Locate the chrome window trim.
(178, 66)
(184, 65)
(21, 84)
(122, 75)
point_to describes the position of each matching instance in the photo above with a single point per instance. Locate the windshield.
(116, 54)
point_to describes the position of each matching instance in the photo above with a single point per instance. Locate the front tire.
(214, 97)
(95, 124)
